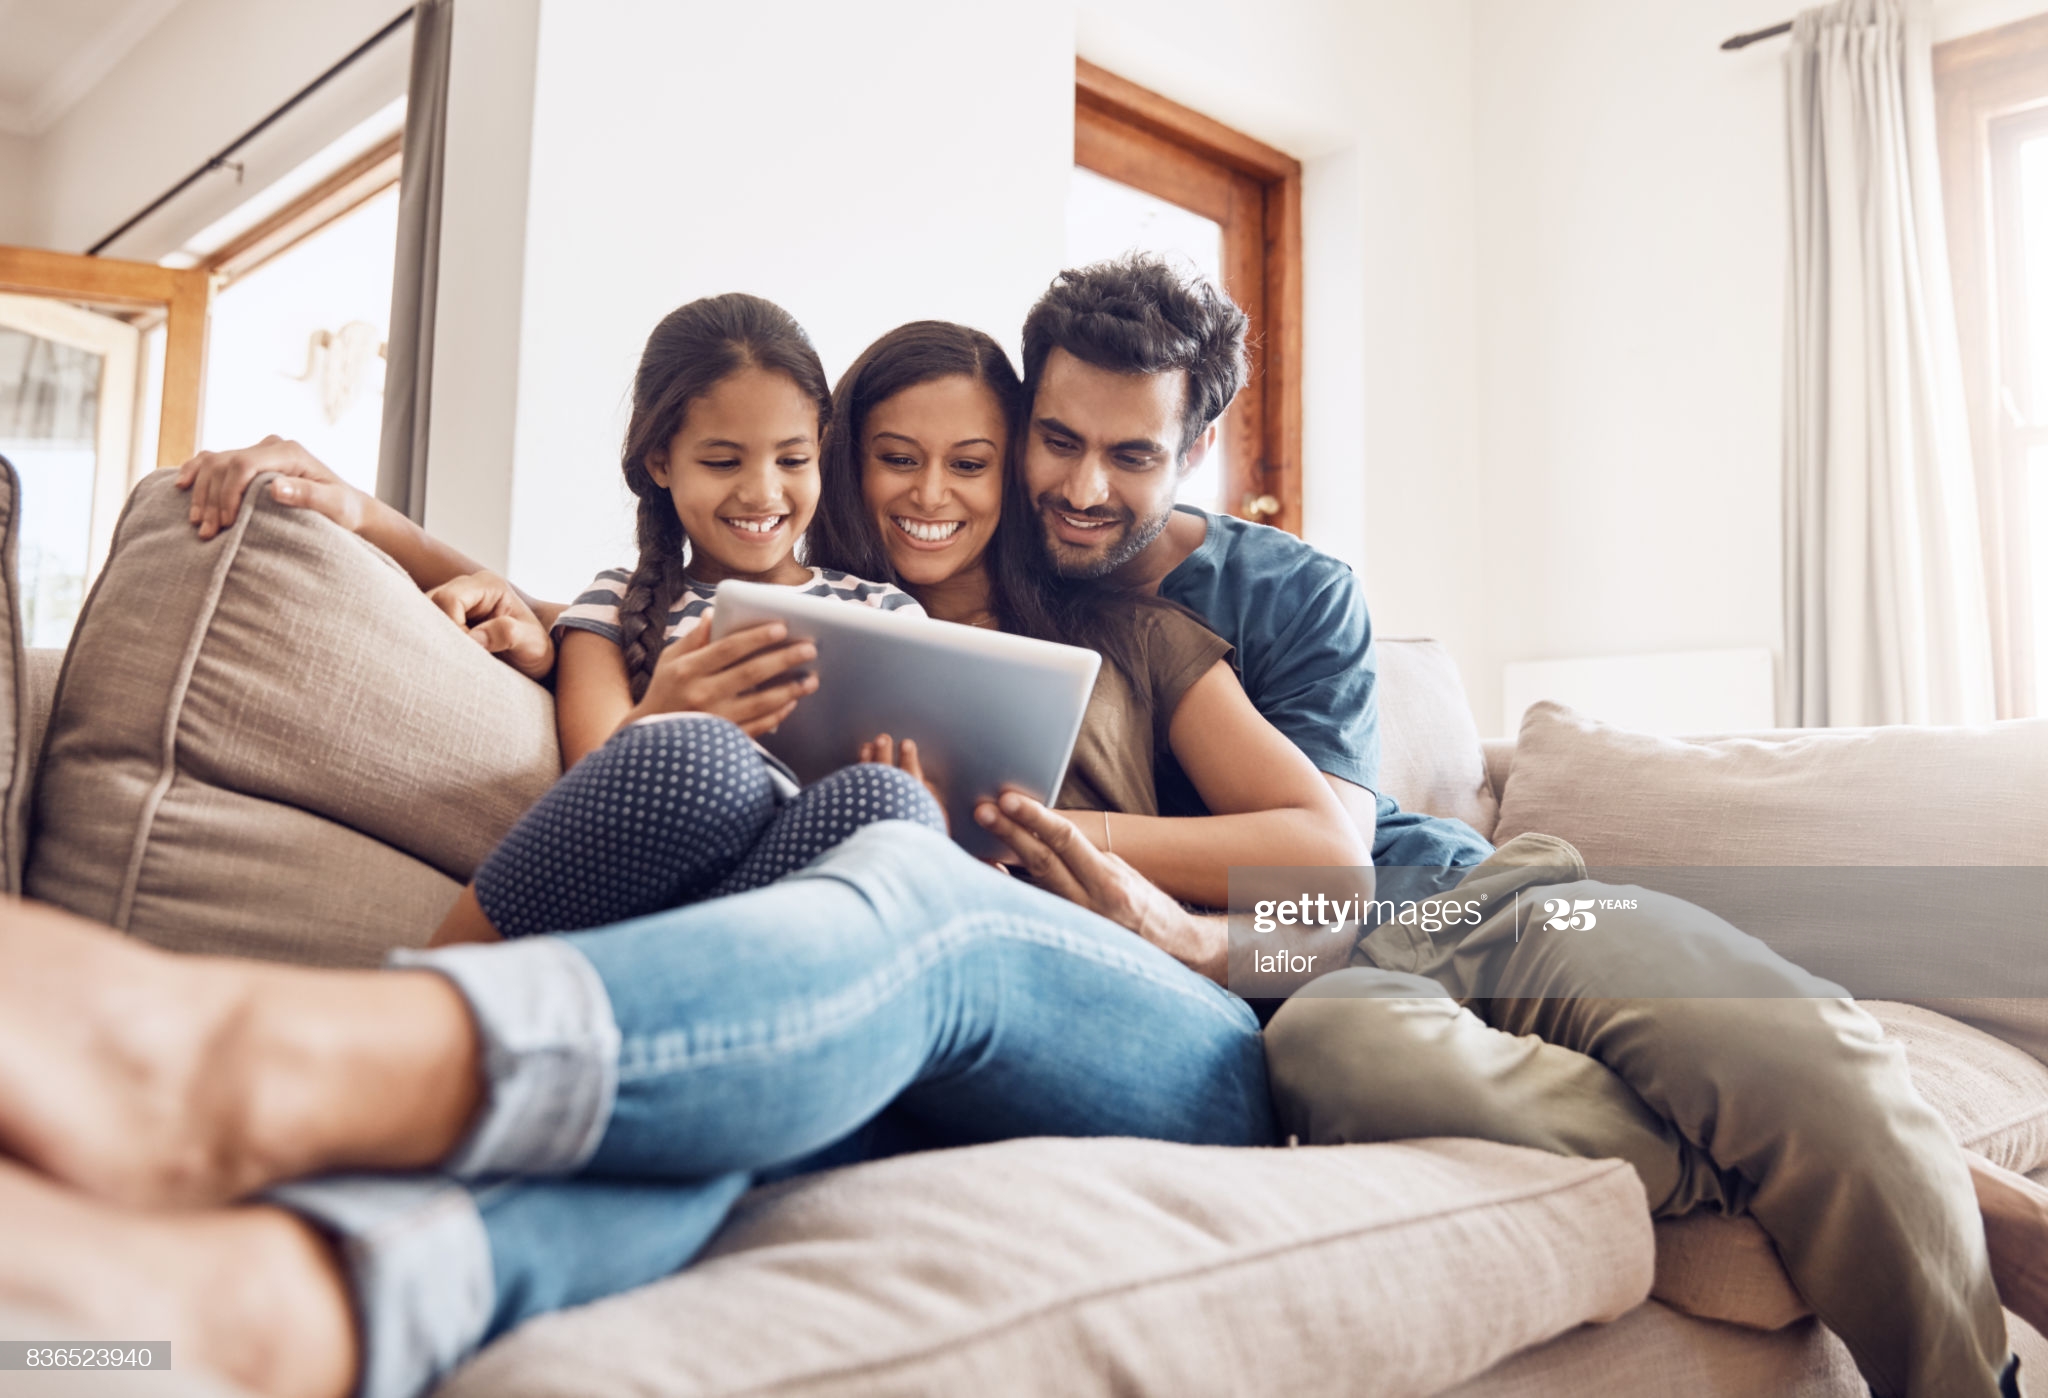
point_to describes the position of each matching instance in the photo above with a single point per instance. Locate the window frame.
(1983, 84)
(334, 198)
(182, 297)
(1133, 135)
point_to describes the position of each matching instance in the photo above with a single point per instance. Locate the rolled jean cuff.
(419, 1269)
(550, 1054)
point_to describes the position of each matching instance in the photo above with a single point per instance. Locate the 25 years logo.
(1570, 915)
(1577, 915)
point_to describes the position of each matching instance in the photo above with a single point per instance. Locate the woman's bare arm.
(1270, 805)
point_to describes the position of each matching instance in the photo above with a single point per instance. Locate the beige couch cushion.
(1851, 796)
(1429, 747)
(272, 742)
(1883, 798)
(1116, 1267)
(1656, 1350)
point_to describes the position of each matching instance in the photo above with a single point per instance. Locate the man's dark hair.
(1138, 315)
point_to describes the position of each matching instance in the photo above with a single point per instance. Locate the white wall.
(17, 192)
(1375, 97)
(474, 412)
(906, 159)
(205, 74)
(1631, 255)
(911, 159)
(1955, 18)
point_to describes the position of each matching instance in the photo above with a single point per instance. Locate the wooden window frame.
(335, 197)
(1137, 137)
(182, 295)
(1983, 83)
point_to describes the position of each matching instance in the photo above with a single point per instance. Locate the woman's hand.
(730, 677)
(497, 618)
(218, 479)
(903, 756)
(1060, 859)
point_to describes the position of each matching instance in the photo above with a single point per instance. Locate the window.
(1992, 98)
(1155, 176)
(87, 407)
(296, 346)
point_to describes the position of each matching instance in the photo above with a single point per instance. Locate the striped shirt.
(598, 608)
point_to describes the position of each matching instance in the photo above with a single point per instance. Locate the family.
(681, 973)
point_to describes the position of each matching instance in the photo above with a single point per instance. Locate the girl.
(668, 799)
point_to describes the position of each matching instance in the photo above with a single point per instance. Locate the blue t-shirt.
(1303, 650)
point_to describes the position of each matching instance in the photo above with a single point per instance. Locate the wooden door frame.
(183, 295)
(1139, 138)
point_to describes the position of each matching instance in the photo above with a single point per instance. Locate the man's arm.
(1059, 859)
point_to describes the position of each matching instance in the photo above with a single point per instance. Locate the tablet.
(987, 710)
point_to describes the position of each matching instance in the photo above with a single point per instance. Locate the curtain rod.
(1743, 41)
(220, 161)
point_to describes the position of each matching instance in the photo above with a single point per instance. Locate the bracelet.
(1107, 847)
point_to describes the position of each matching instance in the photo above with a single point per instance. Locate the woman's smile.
(928, 533)
(932, 474)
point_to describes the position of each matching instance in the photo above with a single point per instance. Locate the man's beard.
(1071, 561)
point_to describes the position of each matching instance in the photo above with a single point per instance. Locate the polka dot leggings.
(671, 812)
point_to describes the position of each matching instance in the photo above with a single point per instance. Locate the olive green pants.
(1778, 1096)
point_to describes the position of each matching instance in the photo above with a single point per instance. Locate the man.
(1729, 1078)
(1127, 366)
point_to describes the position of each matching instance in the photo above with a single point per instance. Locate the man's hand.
(218, 479)
(497, 618)
(730, 677)
(1060, 859)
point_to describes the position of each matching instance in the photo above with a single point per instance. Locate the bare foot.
(150, 1078)
(252, 1294)
(2015, 1213)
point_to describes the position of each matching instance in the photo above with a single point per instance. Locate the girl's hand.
(903, 756)
(218, 479)
(1059, 859)
(730, 677)
(491, 610)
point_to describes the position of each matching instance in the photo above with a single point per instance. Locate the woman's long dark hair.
(1027, 597)
(693, 349)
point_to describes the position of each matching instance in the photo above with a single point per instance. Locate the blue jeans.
(642, 1076)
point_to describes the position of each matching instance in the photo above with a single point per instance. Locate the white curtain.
(1885, 612)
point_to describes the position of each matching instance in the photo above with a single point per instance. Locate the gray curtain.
(1886, 618)
(416, 277)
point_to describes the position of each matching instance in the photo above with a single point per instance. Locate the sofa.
(270, 745)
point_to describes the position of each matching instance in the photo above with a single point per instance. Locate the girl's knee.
(690, 772)
(873, 793)
(689, 735)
